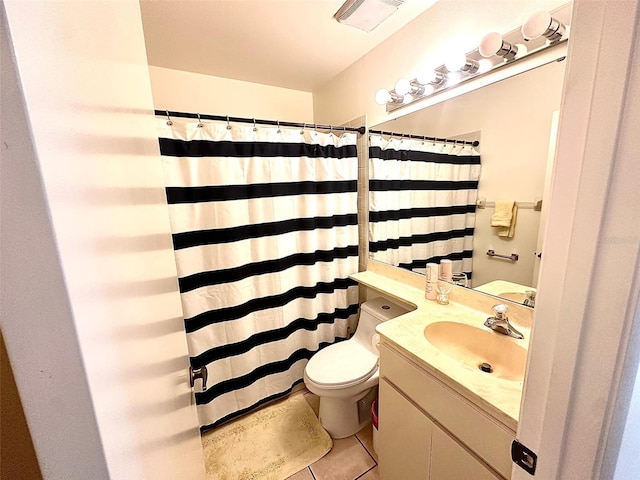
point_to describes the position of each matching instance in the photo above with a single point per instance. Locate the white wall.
(36, 314)
(91, 311)
(193, 92)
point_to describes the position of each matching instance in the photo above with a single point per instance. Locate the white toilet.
(344, 373)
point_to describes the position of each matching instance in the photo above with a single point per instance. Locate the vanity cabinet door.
(449, 410)
(404, 437)
(450, 461)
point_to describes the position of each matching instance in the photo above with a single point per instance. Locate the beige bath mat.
(272, 443)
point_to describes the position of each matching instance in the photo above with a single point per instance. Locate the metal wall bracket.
(524, 457)
(200, 373)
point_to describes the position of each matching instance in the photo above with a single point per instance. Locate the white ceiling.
(295, 44)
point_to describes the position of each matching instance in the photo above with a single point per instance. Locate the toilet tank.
(382, 309)
(373, 312)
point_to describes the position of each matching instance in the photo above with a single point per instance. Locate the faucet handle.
(500, 311)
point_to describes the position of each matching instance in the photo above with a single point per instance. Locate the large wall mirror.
(515, 122)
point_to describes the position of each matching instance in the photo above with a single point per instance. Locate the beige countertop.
(498, 397)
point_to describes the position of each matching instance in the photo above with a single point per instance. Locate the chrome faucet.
(500, 322)
(530, 301)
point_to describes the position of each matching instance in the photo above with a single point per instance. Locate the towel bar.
(535, 205)
(513, 257)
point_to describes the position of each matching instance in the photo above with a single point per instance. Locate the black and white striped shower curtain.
(265, 235)
(422, 202)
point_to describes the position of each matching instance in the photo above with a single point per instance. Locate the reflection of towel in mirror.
(504, 218)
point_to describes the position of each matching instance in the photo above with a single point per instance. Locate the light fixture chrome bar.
(416, 88)
(495, 52)
(441, 74)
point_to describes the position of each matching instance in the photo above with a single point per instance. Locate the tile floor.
(350, 458)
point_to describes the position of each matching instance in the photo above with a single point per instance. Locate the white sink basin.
(474, 347)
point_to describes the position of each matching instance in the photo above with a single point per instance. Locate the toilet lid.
(341, 364)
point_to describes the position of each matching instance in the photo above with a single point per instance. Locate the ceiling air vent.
(366, 14)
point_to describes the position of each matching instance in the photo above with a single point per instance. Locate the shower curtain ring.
(200, 124)
(255, 129)
(228, 125)
(278, 131)
(302, 131)
(169, 122)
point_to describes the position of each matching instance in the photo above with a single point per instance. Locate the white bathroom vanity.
(443, 415)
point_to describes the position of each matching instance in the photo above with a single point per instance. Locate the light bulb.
(493, 44)
(382, 96)
(490, 44)
(453, 78)
(522, 50)
(542, 24)
(536, 25)
(428, 90)
(455, 62)
(484, 65)
(430, 76)
(425, 75)
(403, 86)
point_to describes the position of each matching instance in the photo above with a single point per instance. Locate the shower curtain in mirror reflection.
(265, 236)
(422, 202)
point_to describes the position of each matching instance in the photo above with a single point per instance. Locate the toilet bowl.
(344, 373)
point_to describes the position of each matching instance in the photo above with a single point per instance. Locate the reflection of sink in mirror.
(473, 346)
(508, 290)
(514, 296)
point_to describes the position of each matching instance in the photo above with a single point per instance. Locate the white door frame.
(589, 272)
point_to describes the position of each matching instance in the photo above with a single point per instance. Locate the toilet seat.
(341, 365)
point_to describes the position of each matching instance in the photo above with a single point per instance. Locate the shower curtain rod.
(473, 143)
(257, 121)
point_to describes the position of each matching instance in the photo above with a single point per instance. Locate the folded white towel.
(504, 218)
(511, 229)
(503, 213)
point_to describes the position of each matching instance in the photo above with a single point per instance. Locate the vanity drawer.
(483, 435)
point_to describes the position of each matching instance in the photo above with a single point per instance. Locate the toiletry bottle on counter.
(430, 288)
(446, 270)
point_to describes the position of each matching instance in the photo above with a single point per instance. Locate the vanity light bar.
(540, 31)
